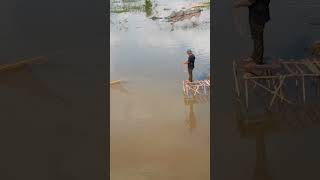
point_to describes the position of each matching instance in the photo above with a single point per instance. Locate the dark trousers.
(258, 43)
(190, 74)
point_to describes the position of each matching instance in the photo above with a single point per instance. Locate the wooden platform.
(272, 76)
(197, 87)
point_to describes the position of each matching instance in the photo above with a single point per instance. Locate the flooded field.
(53, 119)
(261, 144)
(153, 133)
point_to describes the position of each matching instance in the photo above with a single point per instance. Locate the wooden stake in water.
(115, 82)
(21, 63)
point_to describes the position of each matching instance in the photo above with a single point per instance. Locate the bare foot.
(250, 66)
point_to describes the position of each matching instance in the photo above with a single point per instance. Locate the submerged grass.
(133, 6)
(315, 49)
(119, 10)
(128, 8)
(146, 6)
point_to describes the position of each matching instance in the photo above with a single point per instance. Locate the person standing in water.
(190, 62)
(259, 15)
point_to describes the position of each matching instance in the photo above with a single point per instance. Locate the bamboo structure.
(4, 67)
(272, 77)
(115, 82)
(197, 91)
(196, 87)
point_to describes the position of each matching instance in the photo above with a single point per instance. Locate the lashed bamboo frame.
(288, 69)
(195, 87)
(196, 91)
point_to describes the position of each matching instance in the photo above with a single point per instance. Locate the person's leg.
(252, 31)
(260, 44)
(190, 74)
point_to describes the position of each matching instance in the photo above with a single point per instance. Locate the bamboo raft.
(196, 91)
(194, 88)
(273, 75)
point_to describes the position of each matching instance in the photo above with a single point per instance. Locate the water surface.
(154, 135)
(277, 145)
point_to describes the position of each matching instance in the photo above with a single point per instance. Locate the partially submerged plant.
(119, 10)
(148, 3)
(315, 49)
(127, 6)
(148, 7)
(133, 6)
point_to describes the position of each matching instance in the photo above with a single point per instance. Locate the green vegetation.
(148, 4)
(119, 10)
(143, 6)
(148, 7)
(130, 1)
(127, 8)
(315, 49)
(133, 6)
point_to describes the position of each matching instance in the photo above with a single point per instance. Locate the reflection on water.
(259, 144)
(191, 120)
(121, 88)
(53, 114)
(150, 124)
(291, 120)
(23, 78)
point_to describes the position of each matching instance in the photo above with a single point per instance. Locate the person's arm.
(187, 61)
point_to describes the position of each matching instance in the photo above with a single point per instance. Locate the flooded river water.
(53, 120)
(53, 114)
(266, 145)
(153, 133)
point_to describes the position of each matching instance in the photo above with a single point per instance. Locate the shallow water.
(53, 113)
(263, 145)
(154, 135)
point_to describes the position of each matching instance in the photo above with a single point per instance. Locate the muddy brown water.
(262, 145)
(176, 143)
(153, 133)
(52, 114)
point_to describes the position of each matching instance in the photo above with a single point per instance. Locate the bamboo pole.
(272, 92)
(236, 78)
(303, 90)
(304, 69)
(115, 82)
(20, 63)
(288, 68)
(276, 92)
(246, 92)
